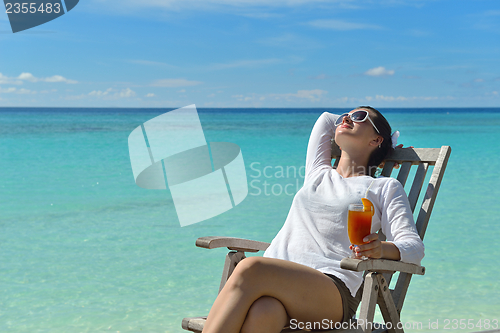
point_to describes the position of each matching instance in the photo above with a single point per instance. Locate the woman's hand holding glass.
(371, 249)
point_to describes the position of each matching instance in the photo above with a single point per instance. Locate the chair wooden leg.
(402, 286)
(232, 259)
(368, 302)
(387, 306)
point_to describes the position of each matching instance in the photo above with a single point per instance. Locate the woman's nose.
(347, 119)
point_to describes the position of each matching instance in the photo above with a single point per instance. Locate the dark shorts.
(349, 303)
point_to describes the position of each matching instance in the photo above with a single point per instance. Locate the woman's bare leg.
(266, 314)
(306, 294)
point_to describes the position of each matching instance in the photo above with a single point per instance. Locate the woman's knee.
(249, 269)
(265, 314)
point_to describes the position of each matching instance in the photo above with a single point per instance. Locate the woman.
(299, 278)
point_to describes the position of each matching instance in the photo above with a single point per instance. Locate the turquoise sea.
(84, 249)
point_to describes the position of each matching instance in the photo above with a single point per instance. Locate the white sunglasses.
(357, 117)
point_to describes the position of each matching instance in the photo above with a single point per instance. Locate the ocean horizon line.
(5, 109)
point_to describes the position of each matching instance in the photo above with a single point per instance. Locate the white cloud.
(31, 78)
(25, 91)
(405, 99)
(379, 71)
(173, 83)
(59, 78)
(492, 13)
(221, 4)
(150, 95)
(48, 91)
(311, 95)
(291, 41)
(13, 90)
(27, 77)
(111, 93)
(126, 93)
(342, 25)
(7, 80)
(100, 93)
(7, 90)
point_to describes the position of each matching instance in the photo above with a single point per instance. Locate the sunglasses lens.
(359, 116)
(340, 119)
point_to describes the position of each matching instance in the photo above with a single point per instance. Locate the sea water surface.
(84, 249)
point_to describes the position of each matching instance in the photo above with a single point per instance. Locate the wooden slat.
(380, 265)
(432, 190)
(232, 259)
(400, 290)
(404, 171)
(368, 302)
(194, 324)
(388, 167)
(415, 155)
(386, 305)
(238, 244)
(417, 185)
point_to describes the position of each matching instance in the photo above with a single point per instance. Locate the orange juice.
(359, 223)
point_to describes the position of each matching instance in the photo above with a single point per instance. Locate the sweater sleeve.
(398, 224)
(319, 149)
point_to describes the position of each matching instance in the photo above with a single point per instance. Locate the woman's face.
(356, 134)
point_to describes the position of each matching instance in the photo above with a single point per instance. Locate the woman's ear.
(378, 141)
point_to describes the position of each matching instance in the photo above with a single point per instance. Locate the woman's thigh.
(307, 294)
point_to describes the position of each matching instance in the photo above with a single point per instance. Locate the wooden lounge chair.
(414, 164)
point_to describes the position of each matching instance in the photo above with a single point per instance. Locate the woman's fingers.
(370, 238)
(372, 248)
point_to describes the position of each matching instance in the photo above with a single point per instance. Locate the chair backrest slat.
(418, 182)
(440, 162)
(432, 190)
(388, 167)
(404, 171)
(424, 158)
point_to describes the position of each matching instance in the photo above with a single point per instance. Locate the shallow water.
(83, 249)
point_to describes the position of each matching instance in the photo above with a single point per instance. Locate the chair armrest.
(236, 244)
(381, 265)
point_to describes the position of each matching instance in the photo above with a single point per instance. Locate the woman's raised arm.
(319, 149)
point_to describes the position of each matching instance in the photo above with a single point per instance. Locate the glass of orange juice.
(359, 224)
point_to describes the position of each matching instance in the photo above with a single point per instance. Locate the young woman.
(299, 278)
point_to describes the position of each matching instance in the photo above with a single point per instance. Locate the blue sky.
(257, 53)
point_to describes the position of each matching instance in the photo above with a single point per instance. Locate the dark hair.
(379, 154)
